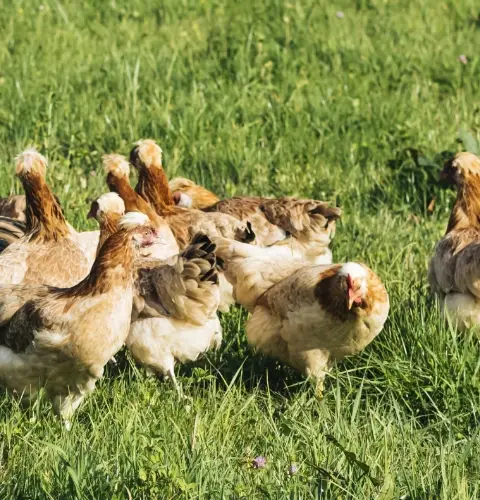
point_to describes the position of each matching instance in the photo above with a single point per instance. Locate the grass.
(274, 97)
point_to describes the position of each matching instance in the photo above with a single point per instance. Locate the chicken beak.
(353, 296)
(351, 299)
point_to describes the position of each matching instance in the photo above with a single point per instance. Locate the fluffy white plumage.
(133, 219)
(149, 151)
(184, 200)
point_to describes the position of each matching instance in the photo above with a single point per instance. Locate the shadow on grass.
(412, 180)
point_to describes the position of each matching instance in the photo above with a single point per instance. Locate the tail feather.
(296, 215)
(11, 230)
(187, 290)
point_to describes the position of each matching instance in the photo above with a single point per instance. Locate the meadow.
(355, 102)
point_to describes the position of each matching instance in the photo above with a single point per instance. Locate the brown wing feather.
(14, 297)
(273, 219)
(183, 290)
(294, 215)
(467, 270)
(13, 207)
(452, 261)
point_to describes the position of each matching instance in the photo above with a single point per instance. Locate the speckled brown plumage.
(454, 270)
(306, 316)
(11, 230)
(303, 224)
(175, 316)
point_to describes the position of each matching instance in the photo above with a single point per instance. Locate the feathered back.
(294, 215)
(187, 290)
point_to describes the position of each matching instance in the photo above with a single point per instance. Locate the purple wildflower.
(293, 469)
(463, 59)
(259, 462)
(340, 14)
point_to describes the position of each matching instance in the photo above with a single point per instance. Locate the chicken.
(185, 193)
(46, 254)
(454, 273)
(175, 318)
(294, 227)
(307, 316)
(62, 338)
(13, 226)
(14, 207)
(118, 171)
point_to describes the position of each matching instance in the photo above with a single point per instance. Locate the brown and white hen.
(62, 338)
(306, 316)
(174, 315)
